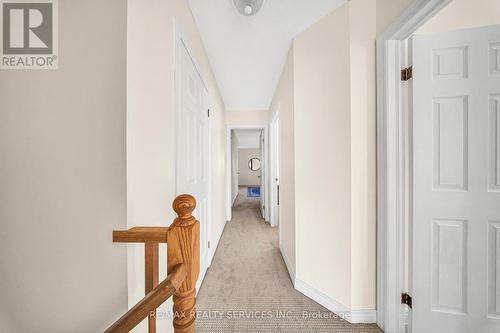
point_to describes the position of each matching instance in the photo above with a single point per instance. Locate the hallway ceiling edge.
(248, 138)
(247, 53)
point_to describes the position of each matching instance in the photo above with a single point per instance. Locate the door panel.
(450, 143)
(494, 272)
(456, 197)
(494, 130)
(192, 144)
(449, 266)
(494, 57)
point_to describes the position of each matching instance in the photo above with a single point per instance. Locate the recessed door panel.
(494, 59)
(494, 269)
(450, 63)
(449, 266)
(494, 143)
(450, 143)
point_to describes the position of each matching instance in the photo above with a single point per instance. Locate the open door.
(456, 181)
(274, 172)
(262, 176)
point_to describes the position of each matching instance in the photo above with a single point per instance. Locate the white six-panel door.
(456, 182)
(192, 144)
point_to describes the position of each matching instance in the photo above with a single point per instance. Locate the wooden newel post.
(183, 246)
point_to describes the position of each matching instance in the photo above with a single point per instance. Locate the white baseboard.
(234, 199)
(289, 267)
(352, 316)
(363, 316)
(213, 247)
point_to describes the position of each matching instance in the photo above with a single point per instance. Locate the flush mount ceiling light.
(248, 7)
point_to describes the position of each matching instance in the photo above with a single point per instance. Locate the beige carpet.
(248, 289)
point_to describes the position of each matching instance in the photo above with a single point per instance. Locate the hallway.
(248, 274)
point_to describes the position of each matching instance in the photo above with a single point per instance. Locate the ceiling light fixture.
(248, 10)
(248, 7)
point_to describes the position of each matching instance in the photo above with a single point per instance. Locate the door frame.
(391, 166)
(180, 37)
(273, 157)
(264, 196)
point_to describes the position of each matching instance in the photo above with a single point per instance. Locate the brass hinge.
(208, 113)
(406, 299)
(208, 244)
(406, 73)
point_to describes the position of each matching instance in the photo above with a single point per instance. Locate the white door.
(262, 175)
(275, 168)
(192, 144)
(456, 170)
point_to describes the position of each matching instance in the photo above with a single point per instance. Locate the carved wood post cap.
(184, 205)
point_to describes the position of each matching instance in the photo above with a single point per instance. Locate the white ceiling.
(247, 53)
(247, 138)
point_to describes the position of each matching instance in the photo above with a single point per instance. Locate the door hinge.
(406, 299)
(208, 113)
(406, 73)
(208, 244)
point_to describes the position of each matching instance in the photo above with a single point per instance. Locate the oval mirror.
(254, 164)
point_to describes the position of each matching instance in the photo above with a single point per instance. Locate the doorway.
(435, 148)
(274, 161)
(247, 165)
(247, 162)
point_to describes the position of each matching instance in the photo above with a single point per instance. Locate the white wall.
(463, 14)
(362, 34)
(247, 177)
(388, 11)
(323, 157)
(248, 138)
(257, 117)
(234, 167)
(283, 100)
(151, 126)
(326, 98)
(63, 179)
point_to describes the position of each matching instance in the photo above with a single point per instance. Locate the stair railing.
(183, 267)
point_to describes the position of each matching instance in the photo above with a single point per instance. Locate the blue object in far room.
(253, 192)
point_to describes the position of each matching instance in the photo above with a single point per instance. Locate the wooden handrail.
(183, 237)
(141, 235)
(151, 237)
(150, 302)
